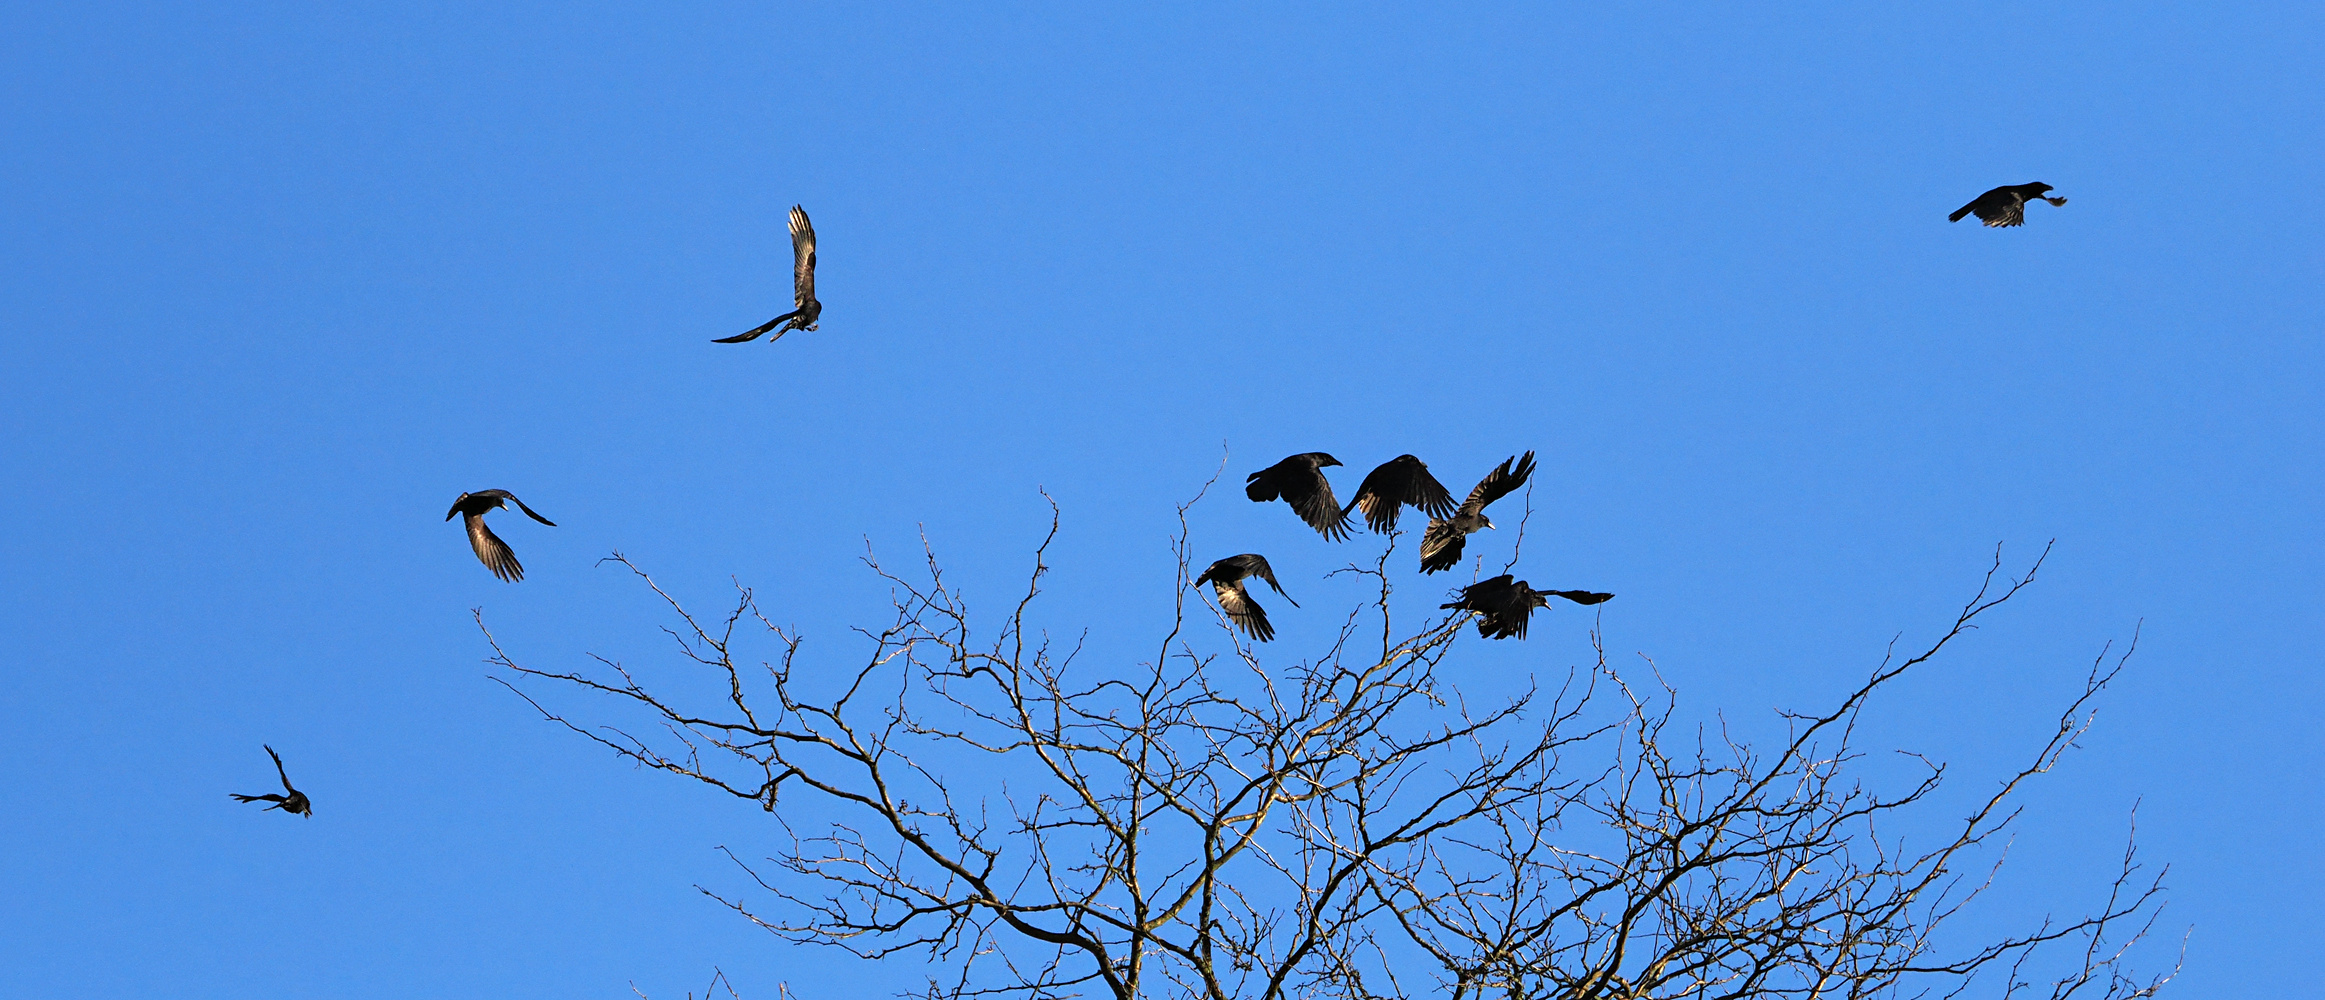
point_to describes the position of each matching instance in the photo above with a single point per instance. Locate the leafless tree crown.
(1345, 826)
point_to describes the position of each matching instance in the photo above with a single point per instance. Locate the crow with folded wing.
(1441, 544)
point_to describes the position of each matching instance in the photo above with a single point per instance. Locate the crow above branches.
(490, 550)
(2005, 205)
(1226, 579)
(294, 802)
(1399, 481)
(1504, 605)
(1300, 481)
(1441, 545)
(806, 310)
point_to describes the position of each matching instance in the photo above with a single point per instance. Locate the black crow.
(1441, 544)
(1399, 481)
(1504, 605)
(1300, 481)
(807, 310)
(1226, 579)
(2005, 205)
(295, 802)
(490, 550)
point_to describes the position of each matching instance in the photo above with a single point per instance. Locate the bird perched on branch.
(1399, 481)
(806, 309)
(1299, 481)
(490, 550)
(294, 802)
(1503, 605)
(1441, 544)
(1226, 579)
(2005, 205)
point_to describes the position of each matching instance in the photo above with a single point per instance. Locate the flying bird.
(295, 802)
(1399, 481)
(490, 550)
(1441, 544)
(2005, 205)
(1300, 481)
(807, 310)
(1503, 605)
(1226, 579)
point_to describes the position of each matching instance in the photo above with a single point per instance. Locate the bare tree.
(1347, 825)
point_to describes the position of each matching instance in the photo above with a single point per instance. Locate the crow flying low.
(1300, 481)
(1503, 605)
(806, 309)
(1226, 579)
(1399, 481)
(490, 550)
(2005, 205)
(295, 802)
(1441, 545)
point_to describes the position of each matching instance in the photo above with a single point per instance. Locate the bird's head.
(1488, 521)
(2039, 188)
(1323, 460)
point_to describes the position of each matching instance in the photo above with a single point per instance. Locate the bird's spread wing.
(1243, 611)
(529, 511)
(753, 333)
(1581, 596)
(1401, 480)
(1311, 497)
(803, 257)
(279, 772)
(1499, 483)
(1441, 546)
(1254, 564)
(493, 552)
(2000, 208)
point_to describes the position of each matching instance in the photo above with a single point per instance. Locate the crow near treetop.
(490, 550)
(806, 310)
(2005, 205)
(1300, 481)
(294, 802)
(1226, 579)
(1503, 605)
(1399, 481)
(1441, 545)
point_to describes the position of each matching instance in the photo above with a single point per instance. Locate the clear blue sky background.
(280, 283)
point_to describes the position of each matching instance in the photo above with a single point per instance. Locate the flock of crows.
(1502, 604)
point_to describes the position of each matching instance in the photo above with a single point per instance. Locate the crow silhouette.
(490, 550)
(2005, 205)
(806, 310)
(1441, 545)
(294, 802)
(1399, 481)
(1503, 605)
(1299, 481)
(1226, 579)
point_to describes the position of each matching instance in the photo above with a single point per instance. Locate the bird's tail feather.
(1959, 212)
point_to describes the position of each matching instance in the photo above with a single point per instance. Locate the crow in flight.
(1441, 545)
(295, 802)
(490, 550)
(1226, 579)
(802, 287)
(2005, 205)
(1399, 481)
(1503, 605)
(1300, 481)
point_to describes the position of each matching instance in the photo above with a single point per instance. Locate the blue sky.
(282, 282)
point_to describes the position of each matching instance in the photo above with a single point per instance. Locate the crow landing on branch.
(1504, 606)
(295, 802)
(1441, 544)
(1399, 481)
(2005, 205)
(490, 550)
(1226, 579)
(806, 309)
(1299, 481)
